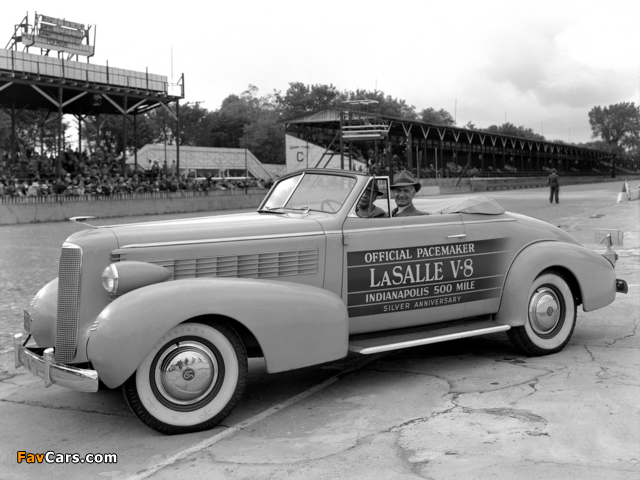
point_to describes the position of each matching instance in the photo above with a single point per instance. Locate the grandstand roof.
(329, 118)
(36, 82)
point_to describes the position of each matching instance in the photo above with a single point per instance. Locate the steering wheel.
(329, 202)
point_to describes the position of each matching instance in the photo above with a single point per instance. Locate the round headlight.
(110, 279)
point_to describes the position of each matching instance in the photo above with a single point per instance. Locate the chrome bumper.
(54, 373)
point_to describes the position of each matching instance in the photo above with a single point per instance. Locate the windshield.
(310, 191)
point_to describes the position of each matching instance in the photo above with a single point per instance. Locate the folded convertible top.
(481, 205)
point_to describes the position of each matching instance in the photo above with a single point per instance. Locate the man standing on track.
(554, 185)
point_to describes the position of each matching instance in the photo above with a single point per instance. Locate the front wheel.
(551, 317)
(191, 379)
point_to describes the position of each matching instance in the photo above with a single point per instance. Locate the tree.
(509, 128)
(617, 124)
(192, 123)
(28, 126)
(596, 145)
(104, 133)
(300, 98)
(228, 122)
(439, 117)
(265, 139)
(387, 105)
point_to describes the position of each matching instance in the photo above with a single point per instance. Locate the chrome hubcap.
(544, 311)
(186, 372)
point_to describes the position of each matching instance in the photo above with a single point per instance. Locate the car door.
(494, 245)
(404, 271)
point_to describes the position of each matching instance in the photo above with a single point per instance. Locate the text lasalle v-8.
(170, 311)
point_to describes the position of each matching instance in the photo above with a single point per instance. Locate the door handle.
(460, 235)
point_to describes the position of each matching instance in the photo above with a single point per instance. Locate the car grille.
(68, 303)
(257, 265)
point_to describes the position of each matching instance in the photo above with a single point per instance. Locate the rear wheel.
(551, 317)
(191, 380)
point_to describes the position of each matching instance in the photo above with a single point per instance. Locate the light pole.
(246, 165)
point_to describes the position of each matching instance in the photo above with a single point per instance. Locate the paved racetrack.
(472, 408)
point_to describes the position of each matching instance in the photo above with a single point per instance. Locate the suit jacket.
(377, 212)
(410, 211)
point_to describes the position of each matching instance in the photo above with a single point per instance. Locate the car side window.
(374, 200)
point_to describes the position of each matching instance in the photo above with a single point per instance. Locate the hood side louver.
(256, 265)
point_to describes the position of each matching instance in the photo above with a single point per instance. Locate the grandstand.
(219, 162)
(55, 85)
(341, 136)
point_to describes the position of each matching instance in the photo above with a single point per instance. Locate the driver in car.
(366, 208)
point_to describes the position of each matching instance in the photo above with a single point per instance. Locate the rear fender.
(594, 277)
(296, 325)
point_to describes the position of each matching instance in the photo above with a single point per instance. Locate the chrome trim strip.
(293, 190)
(426, 341)
(404, 227)
(45, 367)
(496, 220)
(222, 240)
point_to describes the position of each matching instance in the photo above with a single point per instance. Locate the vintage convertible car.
(171, 310)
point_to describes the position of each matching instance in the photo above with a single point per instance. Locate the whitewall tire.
(191, 379)
(551, 317)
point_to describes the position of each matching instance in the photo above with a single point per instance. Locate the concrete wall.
(451, 186)
(11, 214)
(485, 184)
(14, 213)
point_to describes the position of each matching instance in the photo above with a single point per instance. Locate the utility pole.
(246, 167)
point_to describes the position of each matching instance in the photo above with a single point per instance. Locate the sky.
(540, 64)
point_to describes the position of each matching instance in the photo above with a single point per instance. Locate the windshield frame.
(302, 174)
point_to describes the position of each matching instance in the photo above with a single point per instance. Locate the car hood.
(229, 227)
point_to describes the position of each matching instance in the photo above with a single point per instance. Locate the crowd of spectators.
(82, 174)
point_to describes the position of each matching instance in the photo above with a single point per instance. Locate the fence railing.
(445, 182)
(130, 196)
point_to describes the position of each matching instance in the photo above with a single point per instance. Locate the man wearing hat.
(365, 207)
(554, 185)
(404, 188)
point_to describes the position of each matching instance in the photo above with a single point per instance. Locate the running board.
(367, 346)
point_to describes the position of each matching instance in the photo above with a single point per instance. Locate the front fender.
(296, 325)
(43, 310)
(594, 275)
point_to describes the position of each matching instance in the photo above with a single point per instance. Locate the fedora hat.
(375, 188)
(405, 178)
